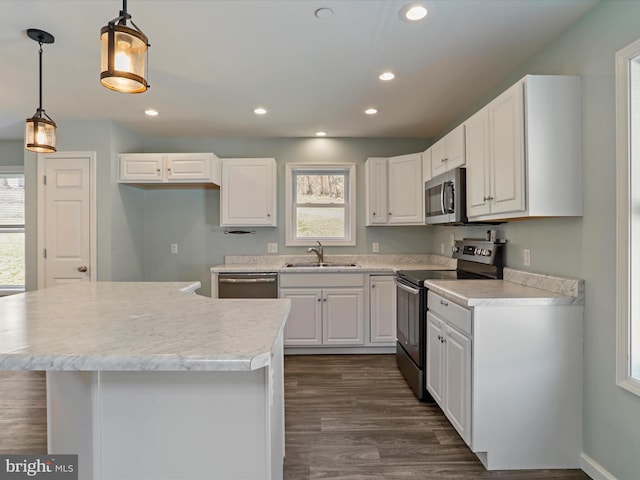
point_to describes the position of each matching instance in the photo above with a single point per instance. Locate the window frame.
(349, 170)
(11, 289)
(624, 253)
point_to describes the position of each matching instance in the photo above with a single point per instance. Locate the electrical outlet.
(376, 247)
(526, 257)
(452, 240)
(272, 248)
(442, 248)
(174, 248)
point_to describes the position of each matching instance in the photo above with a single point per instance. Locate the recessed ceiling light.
(413, 12)
(386, 76)
(151, 112)
(323, 12)
(371, 111)
(321, 134)
(259, 111)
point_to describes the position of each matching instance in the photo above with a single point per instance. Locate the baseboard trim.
(594, 469)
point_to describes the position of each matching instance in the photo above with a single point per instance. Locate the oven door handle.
(407, 288)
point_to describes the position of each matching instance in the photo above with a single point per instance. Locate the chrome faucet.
(319, 251)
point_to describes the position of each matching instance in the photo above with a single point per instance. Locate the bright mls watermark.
(51, 467)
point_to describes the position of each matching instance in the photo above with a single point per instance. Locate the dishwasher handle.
(247, 280)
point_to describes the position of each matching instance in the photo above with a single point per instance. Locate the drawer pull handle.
(442, 302)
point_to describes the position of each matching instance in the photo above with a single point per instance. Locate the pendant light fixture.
(124, 55)
(40, 134)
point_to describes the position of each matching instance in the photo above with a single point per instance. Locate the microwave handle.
(442, 197)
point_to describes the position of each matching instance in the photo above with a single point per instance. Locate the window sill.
(4, 291)
(631, 385)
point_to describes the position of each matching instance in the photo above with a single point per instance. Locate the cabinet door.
(506, 130)
(189, 167)
(434, 367)
(458, 382)
(304, 325)
(406, 189)
(478, 164)
(382, 309)
(426, 165)
(343, 316)
(455, 147)
(141, 167)
(248, 192)
(439, 158)
(376, 190)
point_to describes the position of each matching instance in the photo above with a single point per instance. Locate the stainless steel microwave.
(445, 199)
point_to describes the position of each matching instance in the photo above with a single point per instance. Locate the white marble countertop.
(136, 326)
(375, 263)
(474, 293)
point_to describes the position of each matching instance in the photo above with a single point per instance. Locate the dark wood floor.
(354, 417)
(348, 417)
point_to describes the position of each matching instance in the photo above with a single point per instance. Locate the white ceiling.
(212, 62)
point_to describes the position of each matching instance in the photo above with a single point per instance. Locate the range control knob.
(455, 249)
(476, 251)
(487, 253)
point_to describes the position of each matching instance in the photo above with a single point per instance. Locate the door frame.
(40, 169)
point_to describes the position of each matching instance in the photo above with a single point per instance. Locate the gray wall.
(11, 152)
(191, 218)
(585, 247)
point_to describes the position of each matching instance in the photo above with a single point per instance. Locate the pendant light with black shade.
(124, 55)
(40, 135)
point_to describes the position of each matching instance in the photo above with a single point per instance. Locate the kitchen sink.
(320, 265)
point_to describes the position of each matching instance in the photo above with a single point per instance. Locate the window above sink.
(320, 201)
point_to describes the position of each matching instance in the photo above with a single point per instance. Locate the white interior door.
(66, 218)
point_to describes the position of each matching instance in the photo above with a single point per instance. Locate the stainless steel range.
(477, 259)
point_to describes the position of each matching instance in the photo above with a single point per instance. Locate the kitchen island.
(148, 381)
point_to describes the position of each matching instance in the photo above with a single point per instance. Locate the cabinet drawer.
(454, 314)
(321, 280)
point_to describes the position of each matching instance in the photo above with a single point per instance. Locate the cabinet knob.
(373, 286)
(319, 299)
(374, 214)
(487, 198)
(325, 299)
(158, 170)
(390, 213)
(82, 268)
(268, 214)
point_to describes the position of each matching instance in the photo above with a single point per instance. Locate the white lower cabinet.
(326, 309)
(509, 379)
(449, 371)
(382, 309)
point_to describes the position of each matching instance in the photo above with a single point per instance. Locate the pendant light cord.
(40, 54)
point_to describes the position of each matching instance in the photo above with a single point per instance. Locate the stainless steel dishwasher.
(248, 285)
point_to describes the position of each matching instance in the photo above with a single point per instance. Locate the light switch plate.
(174, 248)
(272, 248)
(526, 257)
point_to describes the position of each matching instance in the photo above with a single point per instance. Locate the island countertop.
(136, 326)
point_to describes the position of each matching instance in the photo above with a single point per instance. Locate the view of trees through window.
(12, 268)
(320, 205)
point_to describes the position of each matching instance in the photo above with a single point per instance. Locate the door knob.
(82, 268)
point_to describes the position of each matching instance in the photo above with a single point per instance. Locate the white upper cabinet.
(524, 152)
(376, 187)
(426, 165)
(147, 169)
(395, 190)
(448, 152)
(248, 192)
